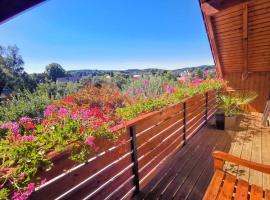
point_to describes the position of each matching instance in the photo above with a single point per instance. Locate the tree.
(12, 73)
(54, 71)
(198, 73)
(170, 75)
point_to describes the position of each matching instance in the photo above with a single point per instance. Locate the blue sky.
(110, 34)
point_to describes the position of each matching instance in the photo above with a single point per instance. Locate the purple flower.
(49, 110)
(25, 119)
(62, 112)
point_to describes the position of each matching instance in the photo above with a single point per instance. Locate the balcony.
(186, 175)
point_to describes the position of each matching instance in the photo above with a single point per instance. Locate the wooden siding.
(256, 81)
(240, 41)
(242, 37)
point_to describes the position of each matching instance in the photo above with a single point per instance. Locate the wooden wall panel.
(256, 81)
(242, 37)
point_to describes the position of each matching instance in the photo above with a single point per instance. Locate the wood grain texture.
(258, 82)
(241, 47)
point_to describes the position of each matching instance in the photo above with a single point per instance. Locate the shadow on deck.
(187, 173)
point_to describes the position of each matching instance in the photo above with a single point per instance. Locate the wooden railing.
(121, 171)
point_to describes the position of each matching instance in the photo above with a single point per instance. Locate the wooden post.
(135, 168)
(206, 107)
(184, 123)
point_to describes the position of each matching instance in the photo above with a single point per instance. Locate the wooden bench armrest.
(221, 157)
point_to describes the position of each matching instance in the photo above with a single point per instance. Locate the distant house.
(136, 76)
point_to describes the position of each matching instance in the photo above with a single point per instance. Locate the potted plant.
(230, 106)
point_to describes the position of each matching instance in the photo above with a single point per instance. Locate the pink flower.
(75, 115)
(24, 195)
(169, 89)
(30, 188)
(19, 196)
(43, 181)
(146, 82)
(25, 119)
(62, 112)
(11, 126)
(90, 141)
(140, 90)
(130, 89)
(29, 138)
(49, 110)
(196, 81)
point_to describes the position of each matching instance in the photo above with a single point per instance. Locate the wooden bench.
(226, 186)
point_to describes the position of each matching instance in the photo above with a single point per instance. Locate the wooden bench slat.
(214, 186)
(228, 187)
(256, 193)
(241, 190)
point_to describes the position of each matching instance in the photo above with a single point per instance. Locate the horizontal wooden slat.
(101, 178)
(153, 142)
(145, 136)
(79, 174)
(145, 159)
(150, 171)
(112, 186)
(121, 191)
(158, 116)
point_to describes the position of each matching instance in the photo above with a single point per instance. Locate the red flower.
(107, 109)
(69, 99)
(45, 121)
(29, 125)
(82, 129)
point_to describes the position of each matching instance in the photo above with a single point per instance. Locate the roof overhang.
(10, 8)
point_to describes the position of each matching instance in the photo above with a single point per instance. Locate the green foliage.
(54, 71)
(231, 103)
(32, 104)
(145, 105)
(4, 193)
(161, 99)
(23, 104)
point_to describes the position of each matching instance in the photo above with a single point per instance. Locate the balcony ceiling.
(239, 34)
(10, 8)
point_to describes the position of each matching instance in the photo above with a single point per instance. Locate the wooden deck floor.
(188, 172)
